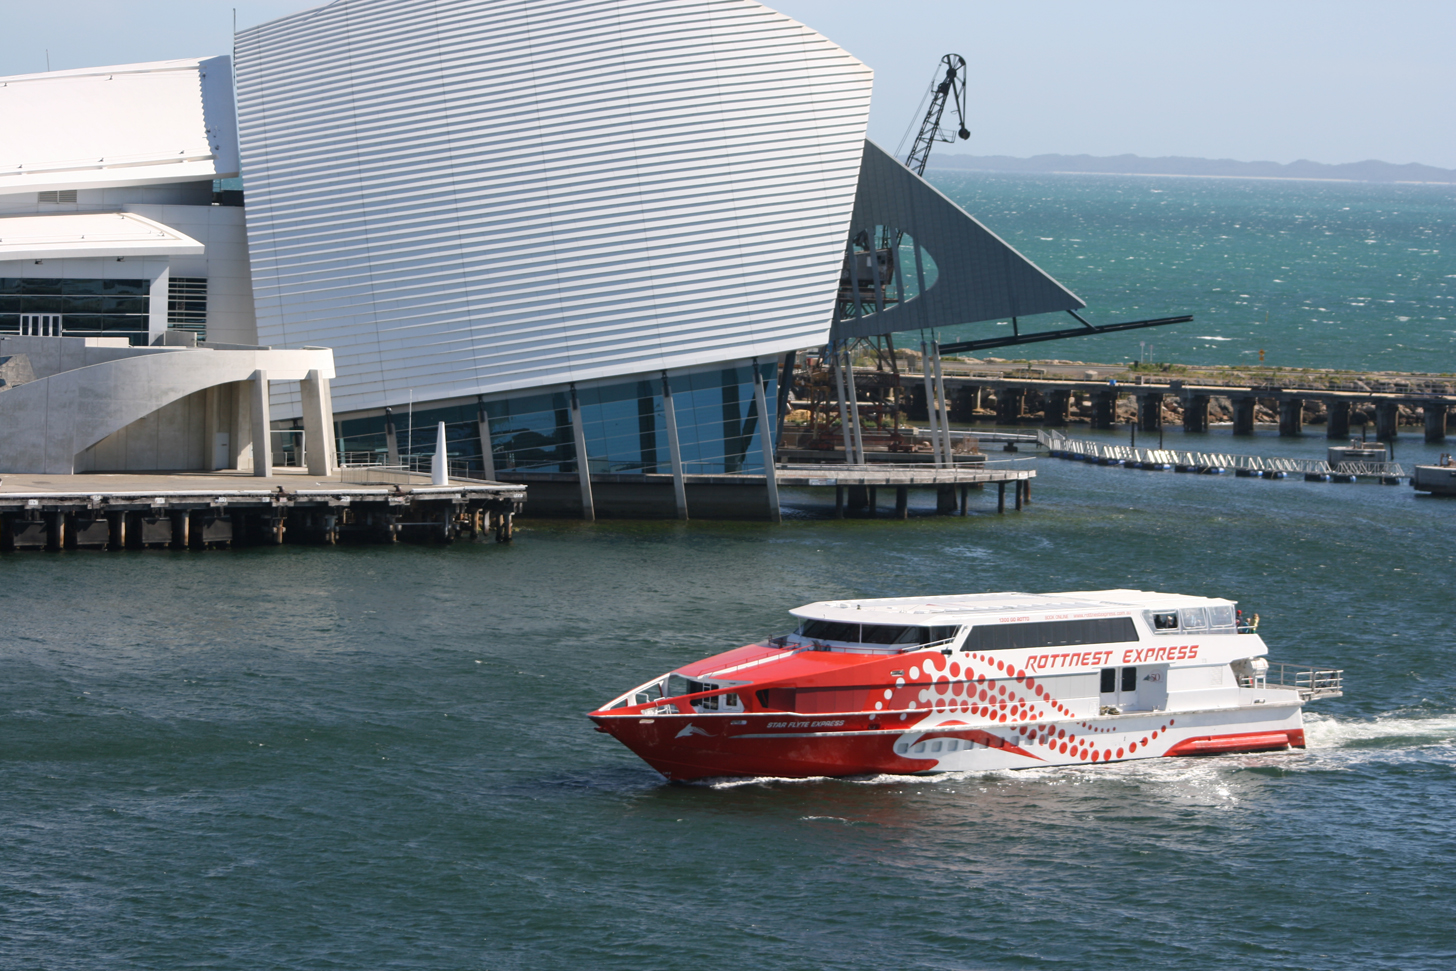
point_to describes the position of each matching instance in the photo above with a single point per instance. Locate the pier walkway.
(1217, 463)
(201, 510)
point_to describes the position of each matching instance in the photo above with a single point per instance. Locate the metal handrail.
(1310, 682)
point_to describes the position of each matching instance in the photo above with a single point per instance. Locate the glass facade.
(718, 424)
(88, 308)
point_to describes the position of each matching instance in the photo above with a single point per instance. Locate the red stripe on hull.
(1247, 742)
(682, 750)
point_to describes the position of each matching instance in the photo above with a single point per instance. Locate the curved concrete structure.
(85, 392)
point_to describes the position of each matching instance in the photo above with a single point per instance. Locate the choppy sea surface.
(365, 758)
(1314, 274)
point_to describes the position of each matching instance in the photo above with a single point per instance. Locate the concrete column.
(583, 465)
(775, 513)
(932, 411)
(902, 502)
(242, 443)
(391, 440)
(318, 424)
(210, 427)
(1195, 413)
(854, 422)
(1104, 409)
(261, 426)
(1008, 405)
(843, 407)
(487, 453)
(859, 497)
(1387, 415)
(674, 451)
(1020, 485)
(1150, 412)
(1338, 425)
(1291, 417)
(1001, 496)
(944, 407)
(1244, 415)
(1058, 407)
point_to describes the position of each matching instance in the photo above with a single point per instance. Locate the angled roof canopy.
(77, 234)
(129, 124)
(978, 275)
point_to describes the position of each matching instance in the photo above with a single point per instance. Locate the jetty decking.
(1217, 463)
(217, 509)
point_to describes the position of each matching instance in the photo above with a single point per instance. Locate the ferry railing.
(1310, 682)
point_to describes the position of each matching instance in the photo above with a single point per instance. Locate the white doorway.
(222, 450)
(40, 325)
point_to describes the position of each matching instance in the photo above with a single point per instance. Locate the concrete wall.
(127, 408)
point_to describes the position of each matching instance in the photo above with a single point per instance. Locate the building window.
(187, 305)
(57, 196)
(91, 308)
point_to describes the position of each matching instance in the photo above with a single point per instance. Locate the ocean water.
(369, 758)
(1315, 274)
(365, 758)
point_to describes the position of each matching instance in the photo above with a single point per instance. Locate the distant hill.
(1369, 171)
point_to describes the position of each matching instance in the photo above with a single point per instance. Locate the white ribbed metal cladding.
(465, 196)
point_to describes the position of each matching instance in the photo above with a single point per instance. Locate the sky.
(1331, 81)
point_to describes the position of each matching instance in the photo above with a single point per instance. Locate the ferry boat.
(973, 682)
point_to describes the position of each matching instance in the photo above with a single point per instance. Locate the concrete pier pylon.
(1291, 417)
(1434, 413)
(1337, 426)
(1244, 415)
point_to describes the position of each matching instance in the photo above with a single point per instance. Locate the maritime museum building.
(582, 233)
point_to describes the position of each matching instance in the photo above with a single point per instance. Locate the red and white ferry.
(972, 683)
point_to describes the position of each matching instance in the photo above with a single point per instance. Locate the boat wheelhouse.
(973, 682)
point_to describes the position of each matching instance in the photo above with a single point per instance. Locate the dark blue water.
(366, 758)
(374, 758)
(1315, 274)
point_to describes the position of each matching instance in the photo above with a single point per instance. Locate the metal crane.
(952, 86)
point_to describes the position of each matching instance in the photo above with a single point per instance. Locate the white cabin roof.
(973, 608)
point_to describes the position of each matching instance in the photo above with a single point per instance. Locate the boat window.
(1194, 618)
(889, 634)
(649, 694)
(1129, 679)
(1167, 621)
(1109, 680)
(830, 630)
(1051, 633)
(731, 701)
(1222, 616)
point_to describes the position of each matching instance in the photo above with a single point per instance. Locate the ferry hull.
(687, 747)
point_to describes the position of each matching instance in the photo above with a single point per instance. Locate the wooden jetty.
(1219, 463)
(217, 509)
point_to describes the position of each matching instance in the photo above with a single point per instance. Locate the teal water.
(365, 758)
(374, 758)
(1315, 274)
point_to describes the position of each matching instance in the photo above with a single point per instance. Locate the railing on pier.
(1060, 445)
(365, 467)
(1310, 682)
